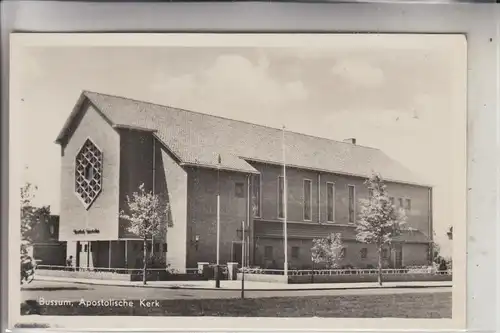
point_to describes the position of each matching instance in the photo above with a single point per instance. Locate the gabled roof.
(198, 139)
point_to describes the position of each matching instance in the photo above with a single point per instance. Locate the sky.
(397, 95)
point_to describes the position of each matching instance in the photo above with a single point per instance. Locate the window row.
(307, 199)
(136, 247)
(269, 253)
(404, 203)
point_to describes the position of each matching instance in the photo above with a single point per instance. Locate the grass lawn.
(355, 306)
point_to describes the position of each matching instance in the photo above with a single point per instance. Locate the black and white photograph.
(253, 176)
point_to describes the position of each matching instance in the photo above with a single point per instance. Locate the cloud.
(359, 73)
(232, 81)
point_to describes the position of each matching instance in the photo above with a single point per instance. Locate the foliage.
(30, 216)
(379, 220)
(148, 217)
(436, 253)
(148, 214)
(327, 250)
(27, 214)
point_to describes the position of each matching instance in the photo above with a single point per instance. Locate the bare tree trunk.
(145, 260)
(380, 265)
(312, 273)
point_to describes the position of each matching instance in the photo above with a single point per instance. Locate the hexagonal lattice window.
(88, 173)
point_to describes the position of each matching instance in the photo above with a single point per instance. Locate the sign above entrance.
(85, 231)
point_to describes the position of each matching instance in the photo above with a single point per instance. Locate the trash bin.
(201, 266)
(205, 270)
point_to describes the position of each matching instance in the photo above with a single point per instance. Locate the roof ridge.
(224, 118)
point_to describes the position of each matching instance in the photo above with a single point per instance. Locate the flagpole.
(285, 213)
(217, 275)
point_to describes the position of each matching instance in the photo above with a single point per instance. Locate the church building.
(111, 145)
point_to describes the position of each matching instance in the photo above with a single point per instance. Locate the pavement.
(53, 290)
(249, 285)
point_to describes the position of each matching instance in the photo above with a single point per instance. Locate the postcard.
(257, 181)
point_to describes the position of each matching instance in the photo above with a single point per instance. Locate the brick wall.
(103, 213)
(415, 254)
(136, 168)
(269, 228)
(300, 258)
(172, 182)
(202, 208)
(50, 253)
(418, 216)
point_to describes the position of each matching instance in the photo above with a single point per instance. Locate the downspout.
(154, 163)
(248, 221)
(153, 187)
(319, 197)
(431, 229)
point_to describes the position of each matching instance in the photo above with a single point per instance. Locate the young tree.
(327, 250)
(148, 216)
(379, 221)
(30, 216)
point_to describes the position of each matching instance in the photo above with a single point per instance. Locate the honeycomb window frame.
(88, 164)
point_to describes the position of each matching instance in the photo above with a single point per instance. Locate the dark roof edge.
(71, 117)
(208, 166)
(335, 172)
(76, 110)
(134, 128)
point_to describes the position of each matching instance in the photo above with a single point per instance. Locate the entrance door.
(237, 252)
(398, 256)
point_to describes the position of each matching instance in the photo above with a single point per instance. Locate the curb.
(91, 282)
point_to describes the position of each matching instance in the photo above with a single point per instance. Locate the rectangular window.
(364, 253)
(268, 252)
(256, 195)
(239, 190)
(385, 253)
(307, 199)
(281, 203)
(164, 247)
(401, 203)
(392, 200)
(330, 197)
(295, 252)
(352, 204)
(408, 204)
(343, 252)
(157, 247)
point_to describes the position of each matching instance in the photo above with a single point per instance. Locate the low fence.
(344, 275)
(251, 274)
(121, 274)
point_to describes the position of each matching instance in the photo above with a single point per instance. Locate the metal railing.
(308, 272)
(192, 271)
(295, 272)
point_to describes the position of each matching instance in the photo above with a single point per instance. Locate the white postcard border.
(190, 323)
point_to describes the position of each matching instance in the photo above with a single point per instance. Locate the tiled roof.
(197, 138)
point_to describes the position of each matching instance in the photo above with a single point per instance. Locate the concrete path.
(249, 285)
